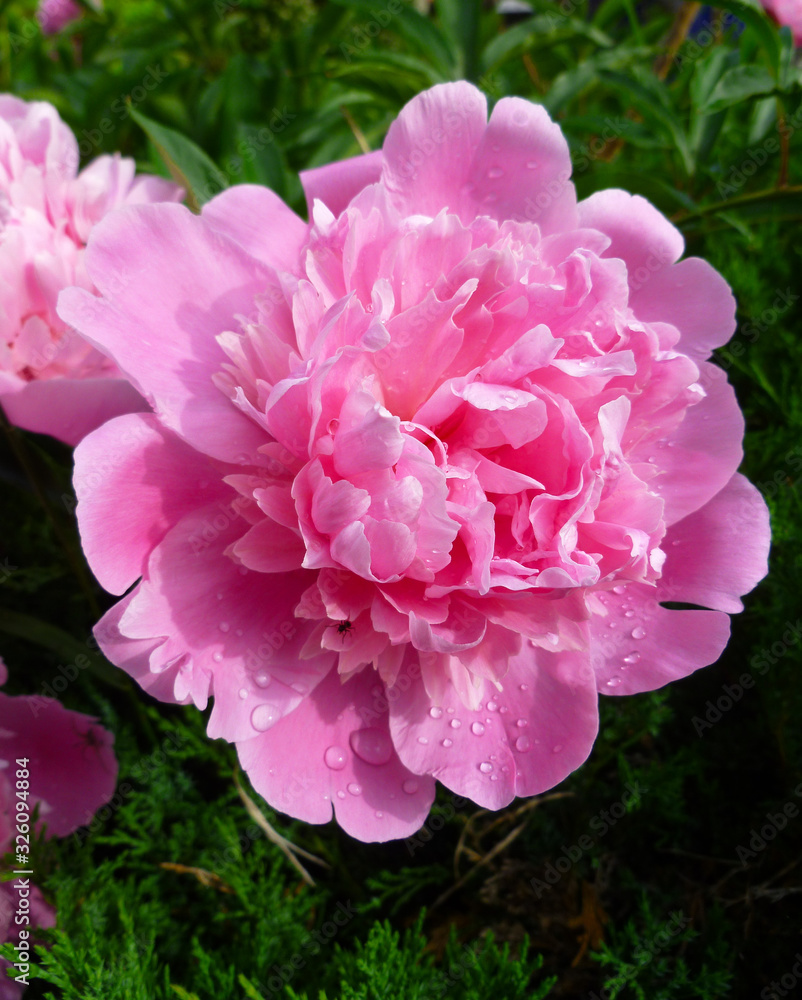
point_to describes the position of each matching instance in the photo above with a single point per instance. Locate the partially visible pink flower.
(72, 771)
(422, 472)
(51, 379)
(54, 15)
(787, 13)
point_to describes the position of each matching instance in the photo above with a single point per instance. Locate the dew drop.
(263, 717)
(340, 795)
(632, 657)
(422, 740)
(220, 596)
(450, 711)
(379, 815)
(372, 745)
(477, 728)
(262, 679)
(494, 173)
(485, 767)
(638, 632)
(299, 688)
(522, 723)
(447, 743)
(522, 744)
(410, 786)
(455, 723)
(557, 748)
(629, 614)
(436, 713)
(532, 164)
(224, 626)
(620, 589)
(494, 777)
(354, 788)
(492, 706)
(524, 687)
(243, 693)
(613, 682)
(335, 758)
(217, 657)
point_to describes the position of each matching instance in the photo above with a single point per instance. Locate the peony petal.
(73, 770)
(522, 740)
(340, 734)
(170, 284)
(260, 222)
(69, 409)
(336, 184)
(720, 552)
(641, 646)
(134, 480)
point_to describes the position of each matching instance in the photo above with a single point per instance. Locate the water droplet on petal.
(340, 795)
(447, 743)
(243, 693)
(299, 688)
(638, 632)
(217, 657)
(485, 767)
(494, 777)
(522, 723)
(557, 748)
(632, 657)
(372, 745)
(524, 687)
(494, 173)
(410, 786)
(613, 682)
(492, 706)
(477, 728)
(422, 740)
(263, 717)
(455, 723)
(629, 614)
(378, 815)
(436, 713)
(262, 679)
(522, 744)
(620, 589)
(354, 788)
(224, 626)
(335, 758)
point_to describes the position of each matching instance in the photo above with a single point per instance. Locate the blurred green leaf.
(737, 85)
(187, 162)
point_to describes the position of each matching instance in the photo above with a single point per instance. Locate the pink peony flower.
(72, 771)
(51, 380)
(421, 472)
(54, 15)
(787, 13)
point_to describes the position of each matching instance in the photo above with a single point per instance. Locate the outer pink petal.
(693, 297)
(72, 765)
(640, 234)
(720, 552)
(134, 655)
(429, 150)
(523, 168)
(69, 409)
(521, 741)
(335, 184)
(260, 222)
(170, 284)
(372, 801)
(702, 455)
(229, 631)
(640, 646)
(134, 480)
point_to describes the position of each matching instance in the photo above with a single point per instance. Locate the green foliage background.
(706, 123)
